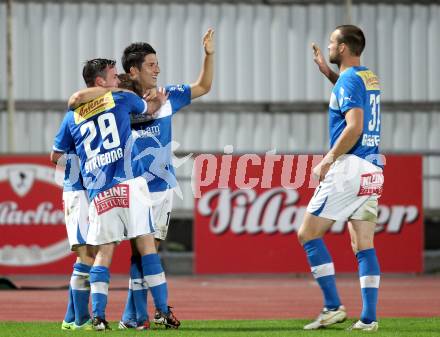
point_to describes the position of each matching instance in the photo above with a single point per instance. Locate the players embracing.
(104, 142)
(154, 140)
(120, 207)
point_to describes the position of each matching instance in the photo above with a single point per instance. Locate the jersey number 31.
(374, 123)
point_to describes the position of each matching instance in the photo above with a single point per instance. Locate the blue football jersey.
(72, 175)
(153, 139)
(357, 87)
(101, 134)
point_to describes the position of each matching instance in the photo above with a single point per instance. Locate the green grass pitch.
(411, 327)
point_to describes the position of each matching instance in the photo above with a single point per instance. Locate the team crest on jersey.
(92, 108)
(370, 79)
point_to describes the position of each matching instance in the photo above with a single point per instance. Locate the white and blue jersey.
(72, 175)
(357, 87)
(100, 133)
(153, 139)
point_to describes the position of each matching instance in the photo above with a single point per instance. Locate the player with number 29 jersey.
(100, 131)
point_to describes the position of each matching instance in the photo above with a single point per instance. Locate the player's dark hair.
(96, 68)
(134, 55)
(128, 83)
(353, 37)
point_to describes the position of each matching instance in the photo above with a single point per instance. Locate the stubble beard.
(335, 60)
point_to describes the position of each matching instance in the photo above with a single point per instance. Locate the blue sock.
(99, 280)
(129, 314)
(154, 277)
(136, 306)
(70, 312)
(369, 276)
(323, 270)
(80, 285)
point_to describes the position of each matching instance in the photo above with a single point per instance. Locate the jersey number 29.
(108, 130)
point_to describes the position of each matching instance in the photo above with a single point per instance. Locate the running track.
(234, 297)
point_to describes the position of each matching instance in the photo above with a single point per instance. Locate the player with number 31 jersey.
(357, 87)
(351, 179)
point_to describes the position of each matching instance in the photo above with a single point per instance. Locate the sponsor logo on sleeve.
(92, 108)
(370, 79)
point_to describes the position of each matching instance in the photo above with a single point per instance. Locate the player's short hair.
(128, 83)
(94, 68)
(353, 37)
(134, 55)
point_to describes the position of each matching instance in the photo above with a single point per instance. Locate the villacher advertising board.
(249, 208)
(33, 238)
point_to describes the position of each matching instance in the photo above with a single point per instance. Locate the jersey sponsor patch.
(371, 184)
(92, 108)
(370, 79)
(115, 197)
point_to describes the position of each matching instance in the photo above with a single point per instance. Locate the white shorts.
(121, 212)
(162, 206)
(76, 213)
(349, 191)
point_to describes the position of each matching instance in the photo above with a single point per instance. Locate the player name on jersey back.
(101, 160)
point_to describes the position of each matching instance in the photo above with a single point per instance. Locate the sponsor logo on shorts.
(115, 197)
(98, 105)
(371, 184)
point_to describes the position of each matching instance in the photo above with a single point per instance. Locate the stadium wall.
(263, 51)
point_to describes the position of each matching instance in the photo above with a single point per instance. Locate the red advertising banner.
(249, 208)
(33, 237)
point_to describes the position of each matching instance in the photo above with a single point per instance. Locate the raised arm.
(322, 64)
(86, 95)
(204, 82)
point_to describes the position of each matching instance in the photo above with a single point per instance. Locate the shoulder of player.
(124, 95)
(176, 88)
(367, 78)
(69, 116)
(352, 75)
